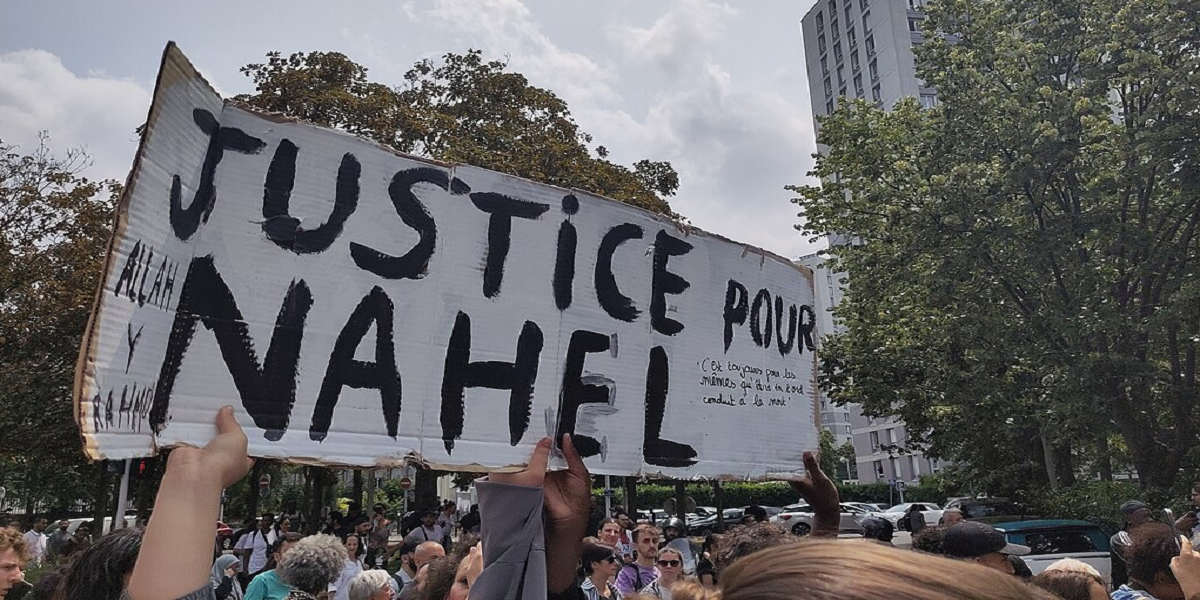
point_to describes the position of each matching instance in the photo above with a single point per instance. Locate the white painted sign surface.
(360, 307)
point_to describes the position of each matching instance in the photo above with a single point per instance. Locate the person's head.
(353, 545)
(83, 532)
(952, 517)
(285, 525)
(624, 520)
(449, 508)
(101, 569)
(63, 525)
(1196, 494)
(372, 584)
(878, 529)
(1136, 513)
(981, 543)
(755, 514)
(854, 570)
(425, 552)
(312, 563)
(224, 563)
(599, 560)
(929, 540)
(746, 540)
(39, 525)
(266, 522)
(1148, 560)
(379, 508)
(645, 539)
(609, 532)
(282, 544)
(13, 555)
(428, 518)
(1071, 585)
(670, 564)
(1073, 565)
(674, 529)
(474, 508)
(362, 526)
(446, 577)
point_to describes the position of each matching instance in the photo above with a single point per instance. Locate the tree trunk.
(425, 488)
(1048, 461)
(252, 490)
(1064, 464)
(630, 484)
(357, 496)
(681, 501)
(1103, 457)
(100, 499)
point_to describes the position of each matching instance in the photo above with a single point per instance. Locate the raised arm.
(822, 495)
(176, 554)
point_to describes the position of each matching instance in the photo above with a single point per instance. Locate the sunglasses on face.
(668, 563)
(611, 559)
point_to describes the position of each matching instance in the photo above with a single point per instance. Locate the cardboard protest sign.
(362, 307)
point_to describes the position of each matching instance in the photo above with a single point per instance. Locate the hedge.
(741, 493)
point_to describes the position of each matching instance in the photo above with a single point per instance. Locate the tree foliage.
(1023, 288)
(54, 229)
(461, 110)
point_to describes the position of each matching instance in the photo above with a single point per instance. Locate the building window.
(854, 61)
(821, 43)
(858, 91)
(820, 22)
(928, 100)
(835, 30)
(891, 435)
(878, 467)
(875, 95)
(867, 21)
(896, 472)
(837, 53)
(849, 7)
(842, 91)
(915, 465)
(841, 71)
(914, 24)
(828, 87)
(863, 4)
(874, 435)
(833, 7)
(824, 66)
(850, 37)
(870, 43)
(828, 107)
(874, 68)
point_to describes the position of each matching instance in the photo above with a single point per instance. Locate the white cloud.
(679, 35)
(95, 112)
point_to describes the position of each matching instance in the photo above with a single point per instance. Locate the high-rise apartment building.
(863, 49)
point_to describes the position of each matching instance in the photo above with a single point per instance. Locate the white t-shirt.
(423, 534)
(36, 542)
(259, 545)
(350, 568)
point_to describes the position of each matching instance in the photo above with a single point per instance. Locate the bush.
(771, 493)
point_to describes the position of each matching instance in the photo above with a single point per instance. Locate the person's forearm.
(176, 557)
(564, 546)
(826, 523)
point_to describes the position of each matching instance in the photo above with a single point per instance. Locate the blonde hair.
(1072, 565)
(850, 570)
(365, 584)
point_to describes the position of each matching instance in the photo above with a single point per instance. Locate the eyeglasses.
(668, 563)
(611, 559)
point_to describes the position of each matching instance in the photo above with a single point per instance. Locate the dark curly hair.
(748, 539)
(98, 571)
(929, 540)
(1150, 553)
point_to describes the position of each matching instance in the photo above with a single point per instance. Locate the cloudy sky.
(718, 89)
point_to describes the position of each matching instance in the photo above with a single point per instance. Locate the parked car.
(1053, 539)
(989, 509)
(708, 524)
(798, 518)
(929, 510)
(130, 521)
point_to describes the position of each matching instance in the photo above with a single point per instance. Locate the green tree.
(1023, 282)
(462, 110)
(834, 459)
(54, 230)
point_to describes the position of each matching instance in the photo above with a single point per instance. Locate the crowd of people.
(529, 538)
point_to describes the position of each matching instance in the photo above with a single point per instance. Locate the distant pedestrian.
(54, 543)
(35, 541)
(254, 547)
(470, 521)
(1189, 523)
(267, 585)
(428, 531)
(224, 579)
(913, 519)
(1133, 513)
(878, 529)
(951, 517)
(81, 539)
